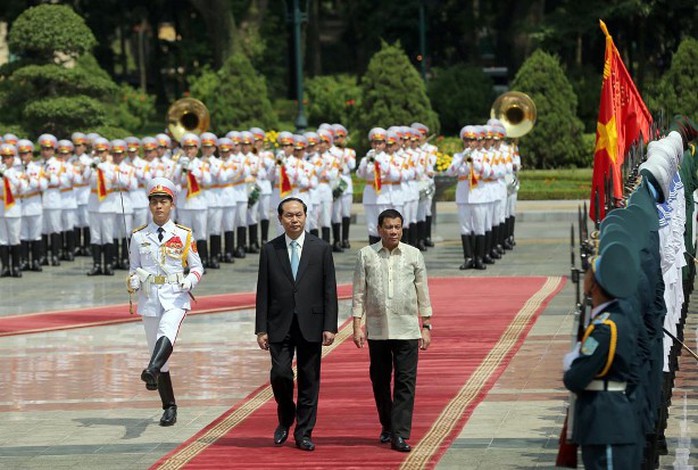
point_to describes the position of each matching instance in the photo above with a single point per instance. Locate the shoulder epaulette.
(183, 227)
(138, 229)
(601, 318)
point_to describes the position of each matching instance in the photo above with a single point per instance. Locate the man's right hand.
(263, 341)
(359, 338)
(134, 283)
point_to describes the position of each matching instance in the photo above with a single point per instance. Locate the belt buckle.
(159, 280)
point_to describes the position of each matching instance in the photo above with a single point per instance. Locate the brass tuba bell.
(516, 111)
(187, 115)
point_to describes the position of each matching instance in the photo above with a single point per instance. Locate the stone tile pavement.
(72, 399)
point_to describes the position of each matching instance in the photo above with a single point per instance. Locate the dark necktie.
(161, 233)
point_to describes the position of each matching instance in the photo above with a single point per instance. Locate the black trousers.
(281, 377)
(394, 409)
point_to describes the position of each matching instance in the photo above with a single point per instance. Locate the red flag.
(193, 187)
(8, 197)
(101, 185)
(377, 183)
(285, 186)
(622, 117)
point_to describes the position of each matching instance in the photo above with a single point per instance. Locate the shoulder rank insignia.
(589, 346)
(183, 227)
(599, 319)
(138, 229)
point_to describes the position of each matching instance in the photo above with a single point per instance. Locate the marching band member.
(32, 206)
(13, 184)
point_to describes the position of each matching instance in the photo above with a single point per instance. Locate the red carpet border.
(111, 314)
(479, 324)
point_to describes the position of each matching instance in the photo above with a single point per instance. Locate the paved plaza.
(73, 399)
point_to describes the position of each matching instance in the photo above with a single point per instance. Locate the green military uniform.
(605, 422)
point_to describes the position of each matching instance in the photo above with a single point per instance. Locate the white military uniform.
(159, 265)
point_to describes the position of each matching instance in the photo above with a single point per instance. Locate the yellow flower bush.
(443, 161)
(270, 140)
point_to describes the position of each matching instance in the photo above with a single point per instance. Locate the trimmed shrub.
(677, 87)
(332, 98)
(461, 95)
(236, 96)
(392, 93)
(556, 139)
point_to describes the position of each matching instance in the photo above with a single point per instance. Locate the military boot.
(242, 236)
(467, 253)
(5, 259)
(337, 245)
(169, 417)
(161, 353)
(253, 246)
(97, 261)
(16, 261)
(428, 241)
(479, 252)
(265, 230)
(36, 256)
(346, 224)
(229, 239)
(326, 234)
(214, 263)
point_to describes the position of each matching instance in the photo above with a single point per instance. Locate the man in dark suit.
(296, 311)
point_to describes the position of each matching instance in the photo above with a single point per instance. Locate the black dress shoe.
(169, 417)
(280, 435)
(385, 437)
(399, 444)
(305, 444)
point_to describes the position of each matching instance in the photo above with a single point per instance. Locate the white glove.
(134, 283)
(186, 284)
(570, 357)
(184, 161)
(96, 161)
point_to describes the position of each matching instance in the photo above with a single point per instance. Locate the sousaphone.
(516, 111)
(187, 115)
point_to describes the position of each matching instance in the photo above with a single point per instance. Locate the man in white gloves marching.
(160, 254)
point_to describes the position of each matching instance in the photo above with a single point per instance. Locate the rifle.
(567, 450)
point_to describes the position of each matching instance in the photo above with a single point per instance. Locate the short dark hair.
(280, 209)
(389, 214)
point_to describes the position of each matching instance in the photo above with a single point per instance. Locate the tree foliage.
(50, 32)
(332, 98)
(57, 86)
(556, 139)
(392, 93)
(677, 87)
(236, 96)
(461, 95)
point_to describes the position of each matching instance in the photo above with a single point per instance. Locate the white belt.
(606, 386)
(174, 278)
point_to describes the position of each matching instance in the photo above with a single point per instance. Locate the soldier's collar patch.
(599, 319)
(589, 346)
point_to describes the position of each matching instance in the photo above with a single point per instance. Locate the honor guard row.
(84, 196)
(486, 193)
(399, 174)
(624, 357)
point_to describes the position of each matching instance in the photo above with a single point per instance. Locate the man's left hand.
(327, 338)
(426, 339)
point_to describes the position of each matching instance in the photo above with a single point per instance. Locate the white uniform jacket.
(160, 267)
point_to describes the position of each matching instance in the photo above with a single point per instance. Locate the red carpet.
(479, 324)
(111, 314)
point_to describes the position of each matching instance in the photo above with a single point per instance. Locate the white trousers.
(228, 218)
(52, 221)
(253, 213)
(31, 227)
(140, 216)
(166, 324)
(123, 225)
(83, 218)
(102, 227)
(264, 206)
(10, 228)
(196, 220)
(215, 220)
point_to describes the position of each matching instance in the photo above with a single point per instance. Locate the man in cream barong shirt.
(390, 288)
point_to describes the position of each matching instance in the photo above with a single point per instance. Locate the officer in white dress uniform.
(214, 211)
(126, 183)
(160, 252)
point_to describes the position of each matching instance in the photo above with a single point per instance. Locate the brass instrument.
(187, 115)
(516, 111)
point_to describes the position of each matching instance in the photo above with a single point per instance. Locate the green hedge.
(535, 185)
